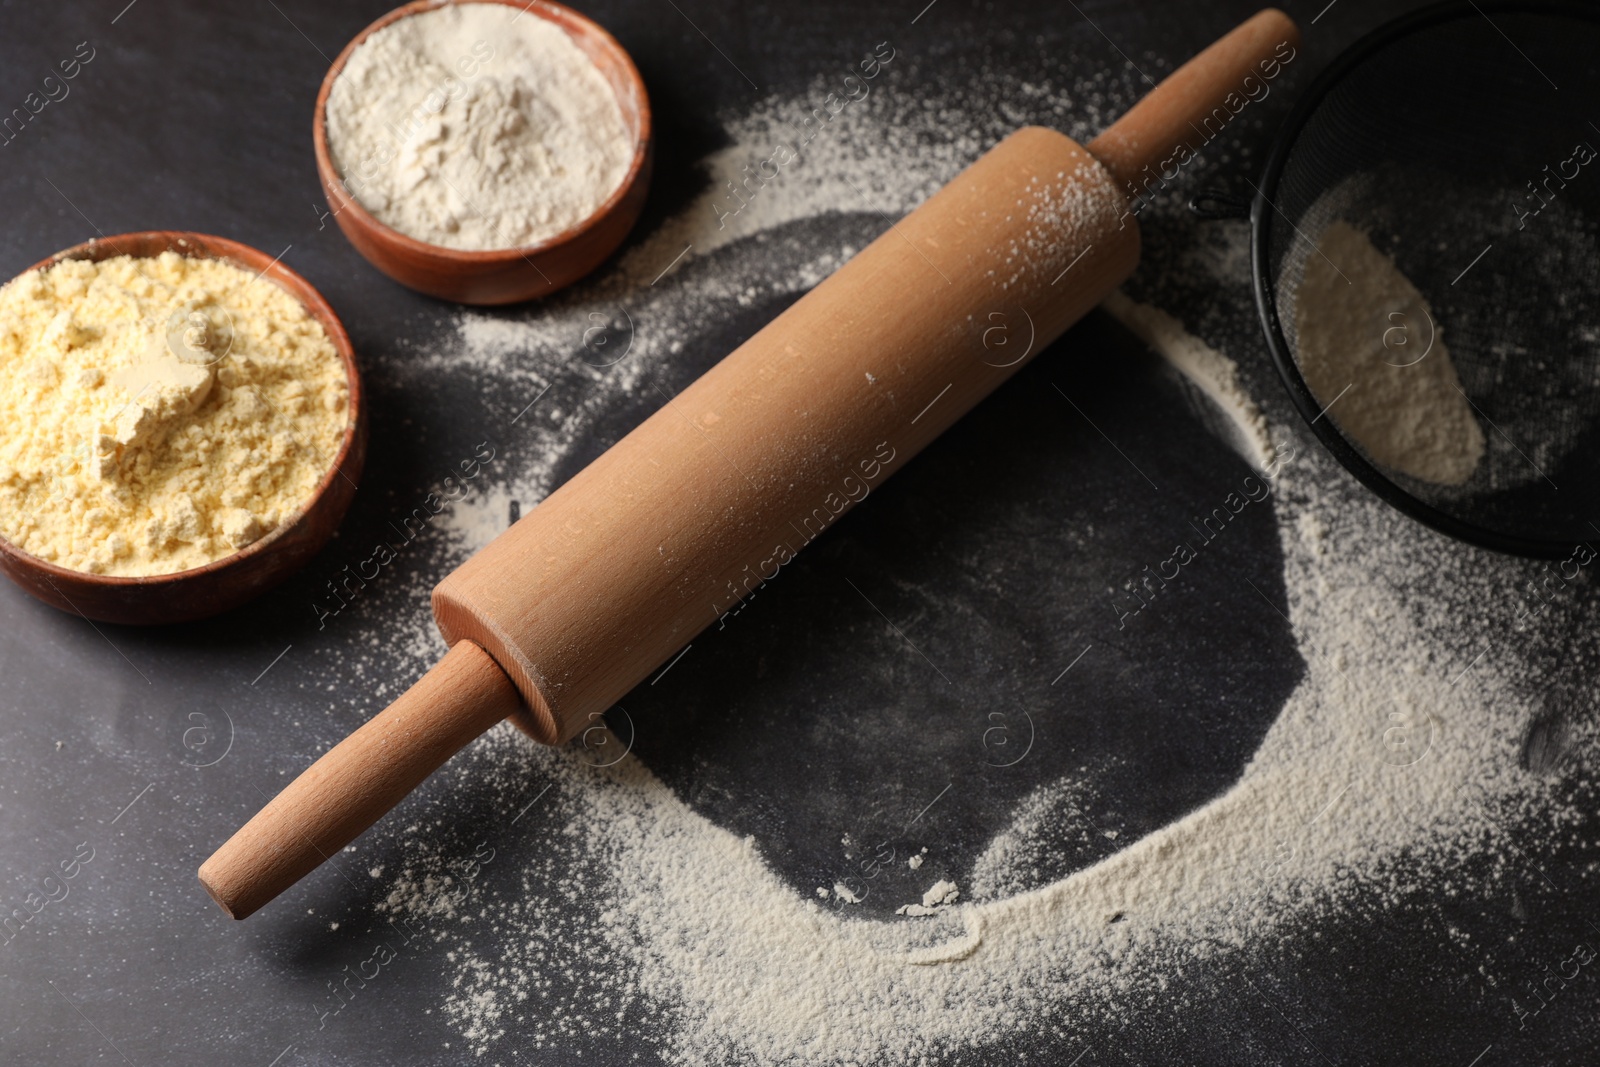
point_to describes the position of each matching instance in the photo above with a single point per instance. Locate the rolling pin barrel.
(623, 565)
(650, 544)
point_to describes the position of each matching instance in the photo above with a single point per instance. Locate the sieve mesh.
(1426, 136)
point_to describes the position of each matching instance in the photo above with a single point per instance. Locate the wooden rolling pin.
(617, 570)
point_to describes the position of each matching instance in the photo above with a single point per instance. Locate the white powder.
(476, 126)
(1371, 351)
(633, 917)
(941, 896)
(1214, 374)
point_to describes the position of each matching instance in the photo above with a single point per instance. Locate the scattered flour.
(1370, 349)
(1214, 374)
(669, 931)
(1376, 764)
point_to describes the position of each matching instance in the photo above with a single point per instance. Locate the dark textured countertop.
(149, 747)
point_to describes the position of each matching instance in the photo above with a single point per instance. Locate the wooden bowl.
(232, 580)
(501, 276)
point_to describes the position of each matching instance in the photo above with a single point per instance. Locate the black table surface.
(151, 746)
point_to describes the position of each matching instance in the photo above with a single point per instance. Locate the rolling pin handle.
(360, 779)
(1158, 130)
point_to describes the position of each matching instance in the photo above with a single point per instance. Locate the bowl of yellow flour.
(181, 426)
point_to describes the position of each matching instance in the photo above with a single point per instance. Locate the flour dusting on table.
(1392, 763)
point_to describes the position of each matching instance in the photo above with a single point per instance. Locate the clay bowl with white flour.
(232, 579)
(432, 163)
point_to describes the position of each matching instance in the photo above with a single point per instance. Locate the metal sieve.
(1461, 140)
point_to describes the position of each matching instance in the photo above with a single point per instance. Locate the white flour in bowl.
(476, 126)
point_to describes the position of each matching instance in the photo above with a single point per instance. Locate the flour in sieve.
(1373, 353)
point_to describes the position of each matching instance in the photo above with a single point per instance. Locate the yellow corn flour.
(157, 414)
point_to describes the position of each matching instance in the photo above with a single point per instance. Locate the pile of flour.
(476, 126)
(632, 917)
(1374, 355)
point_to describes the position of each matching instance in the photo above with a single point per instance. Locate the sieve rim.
(1262, 210)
